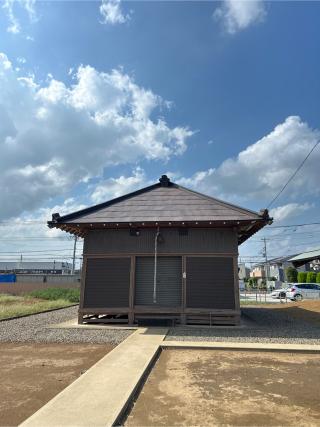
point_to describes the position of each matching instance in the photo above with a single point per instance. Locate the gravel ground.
(33, 329)
(260, 325)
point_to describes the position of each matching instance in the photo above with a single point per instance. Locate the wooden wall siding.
(201, 240)
(210, 283)
(169, 281)
(107, 282)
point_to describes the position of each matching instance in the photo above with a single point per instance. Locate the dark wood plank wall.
(197, 241)
(219, 245)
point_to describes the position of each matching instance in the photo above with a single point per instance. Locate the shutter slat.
(210, 283)
(169, 281)
(107, 282)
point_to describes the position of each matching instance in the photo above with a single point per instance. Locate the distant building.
(244, 272)
(277, 268)
(258, 271)
(309, 260)
(26, 267)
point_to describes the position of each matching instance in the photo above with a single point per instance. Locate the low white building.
(31, 267)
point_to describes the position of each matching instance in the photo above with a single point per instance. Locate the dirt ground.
(215, 387)
(308, 311)
(31, 374)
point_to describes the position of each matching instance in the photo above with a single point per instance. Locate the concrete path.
(101, 395)
(306, 348)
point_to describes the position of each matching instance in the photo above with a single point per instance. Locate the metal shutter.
(169, 281)
(107, 282)
(210, 283)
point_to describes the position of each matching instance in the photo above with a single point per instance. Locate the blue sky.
(224, 96)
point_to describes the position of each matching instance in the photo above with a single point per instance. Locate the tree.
(302, 276)
(311, 277)
(252, 283)
(318, 277)
(292, 274)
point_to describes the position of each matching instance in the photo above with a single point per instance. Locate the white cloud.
(237, 15)
(54, 136)
(9, 6)
(14, 26)
(116, 187)
(112, 13)
(289, 210)
(21, 60)
(260, 171)
(29, 232)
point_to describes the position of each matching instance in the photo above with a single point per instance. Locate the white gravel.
(33, 329)
(260, 325)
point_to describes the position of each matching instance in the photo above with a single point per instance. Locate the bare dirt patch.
(210, 387)
(308, 311)
(32, 374)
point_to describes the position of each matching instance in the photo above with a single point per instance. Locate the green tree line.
(293, 275)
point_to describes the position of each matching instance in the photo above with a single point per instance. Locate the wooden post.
(82, 288)
(183, 317)
(131, 290)
(236, 282)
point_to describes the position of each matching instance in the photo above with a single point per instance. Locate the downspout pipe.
(155, 266)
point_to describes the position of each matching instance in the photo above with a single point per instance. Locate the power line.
(48, 252)
(294, 174)
(33, 258)
(23, 222)
(291, 226)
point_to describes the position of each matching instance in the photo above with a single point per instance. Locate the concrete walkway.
(101, 395)
(304, 348)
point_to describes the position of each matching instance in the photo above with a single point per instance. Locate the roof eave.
(251, 226)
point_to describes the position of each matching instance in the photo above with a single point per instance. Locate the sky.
(99, 98)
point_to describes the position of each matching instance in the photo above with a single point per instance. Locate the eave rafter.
(245, 228)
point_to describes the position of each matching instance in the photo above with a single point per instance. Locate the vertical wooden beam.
(236, 283)
(132, 290)
(183, 319)
(82, 288)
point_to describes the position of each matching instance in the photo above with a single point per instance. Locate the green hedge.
(311, 277)
(302, 277)
(71, 295)
(318, 277)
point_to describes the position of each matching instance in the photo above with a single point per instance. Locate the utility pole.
(74, 254)
(264, 253)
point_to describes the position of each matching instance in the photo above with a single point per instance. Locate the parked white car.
(300, 291)
(280, 293)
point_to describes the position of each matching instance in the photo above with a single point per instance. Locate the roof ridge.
(307, 252)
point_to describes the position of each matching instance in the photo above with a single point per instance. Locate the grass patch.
(14, 306)
(54, 294)
(8, 299)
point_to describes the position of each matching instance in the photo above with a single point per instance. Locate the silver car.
(300, 291)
